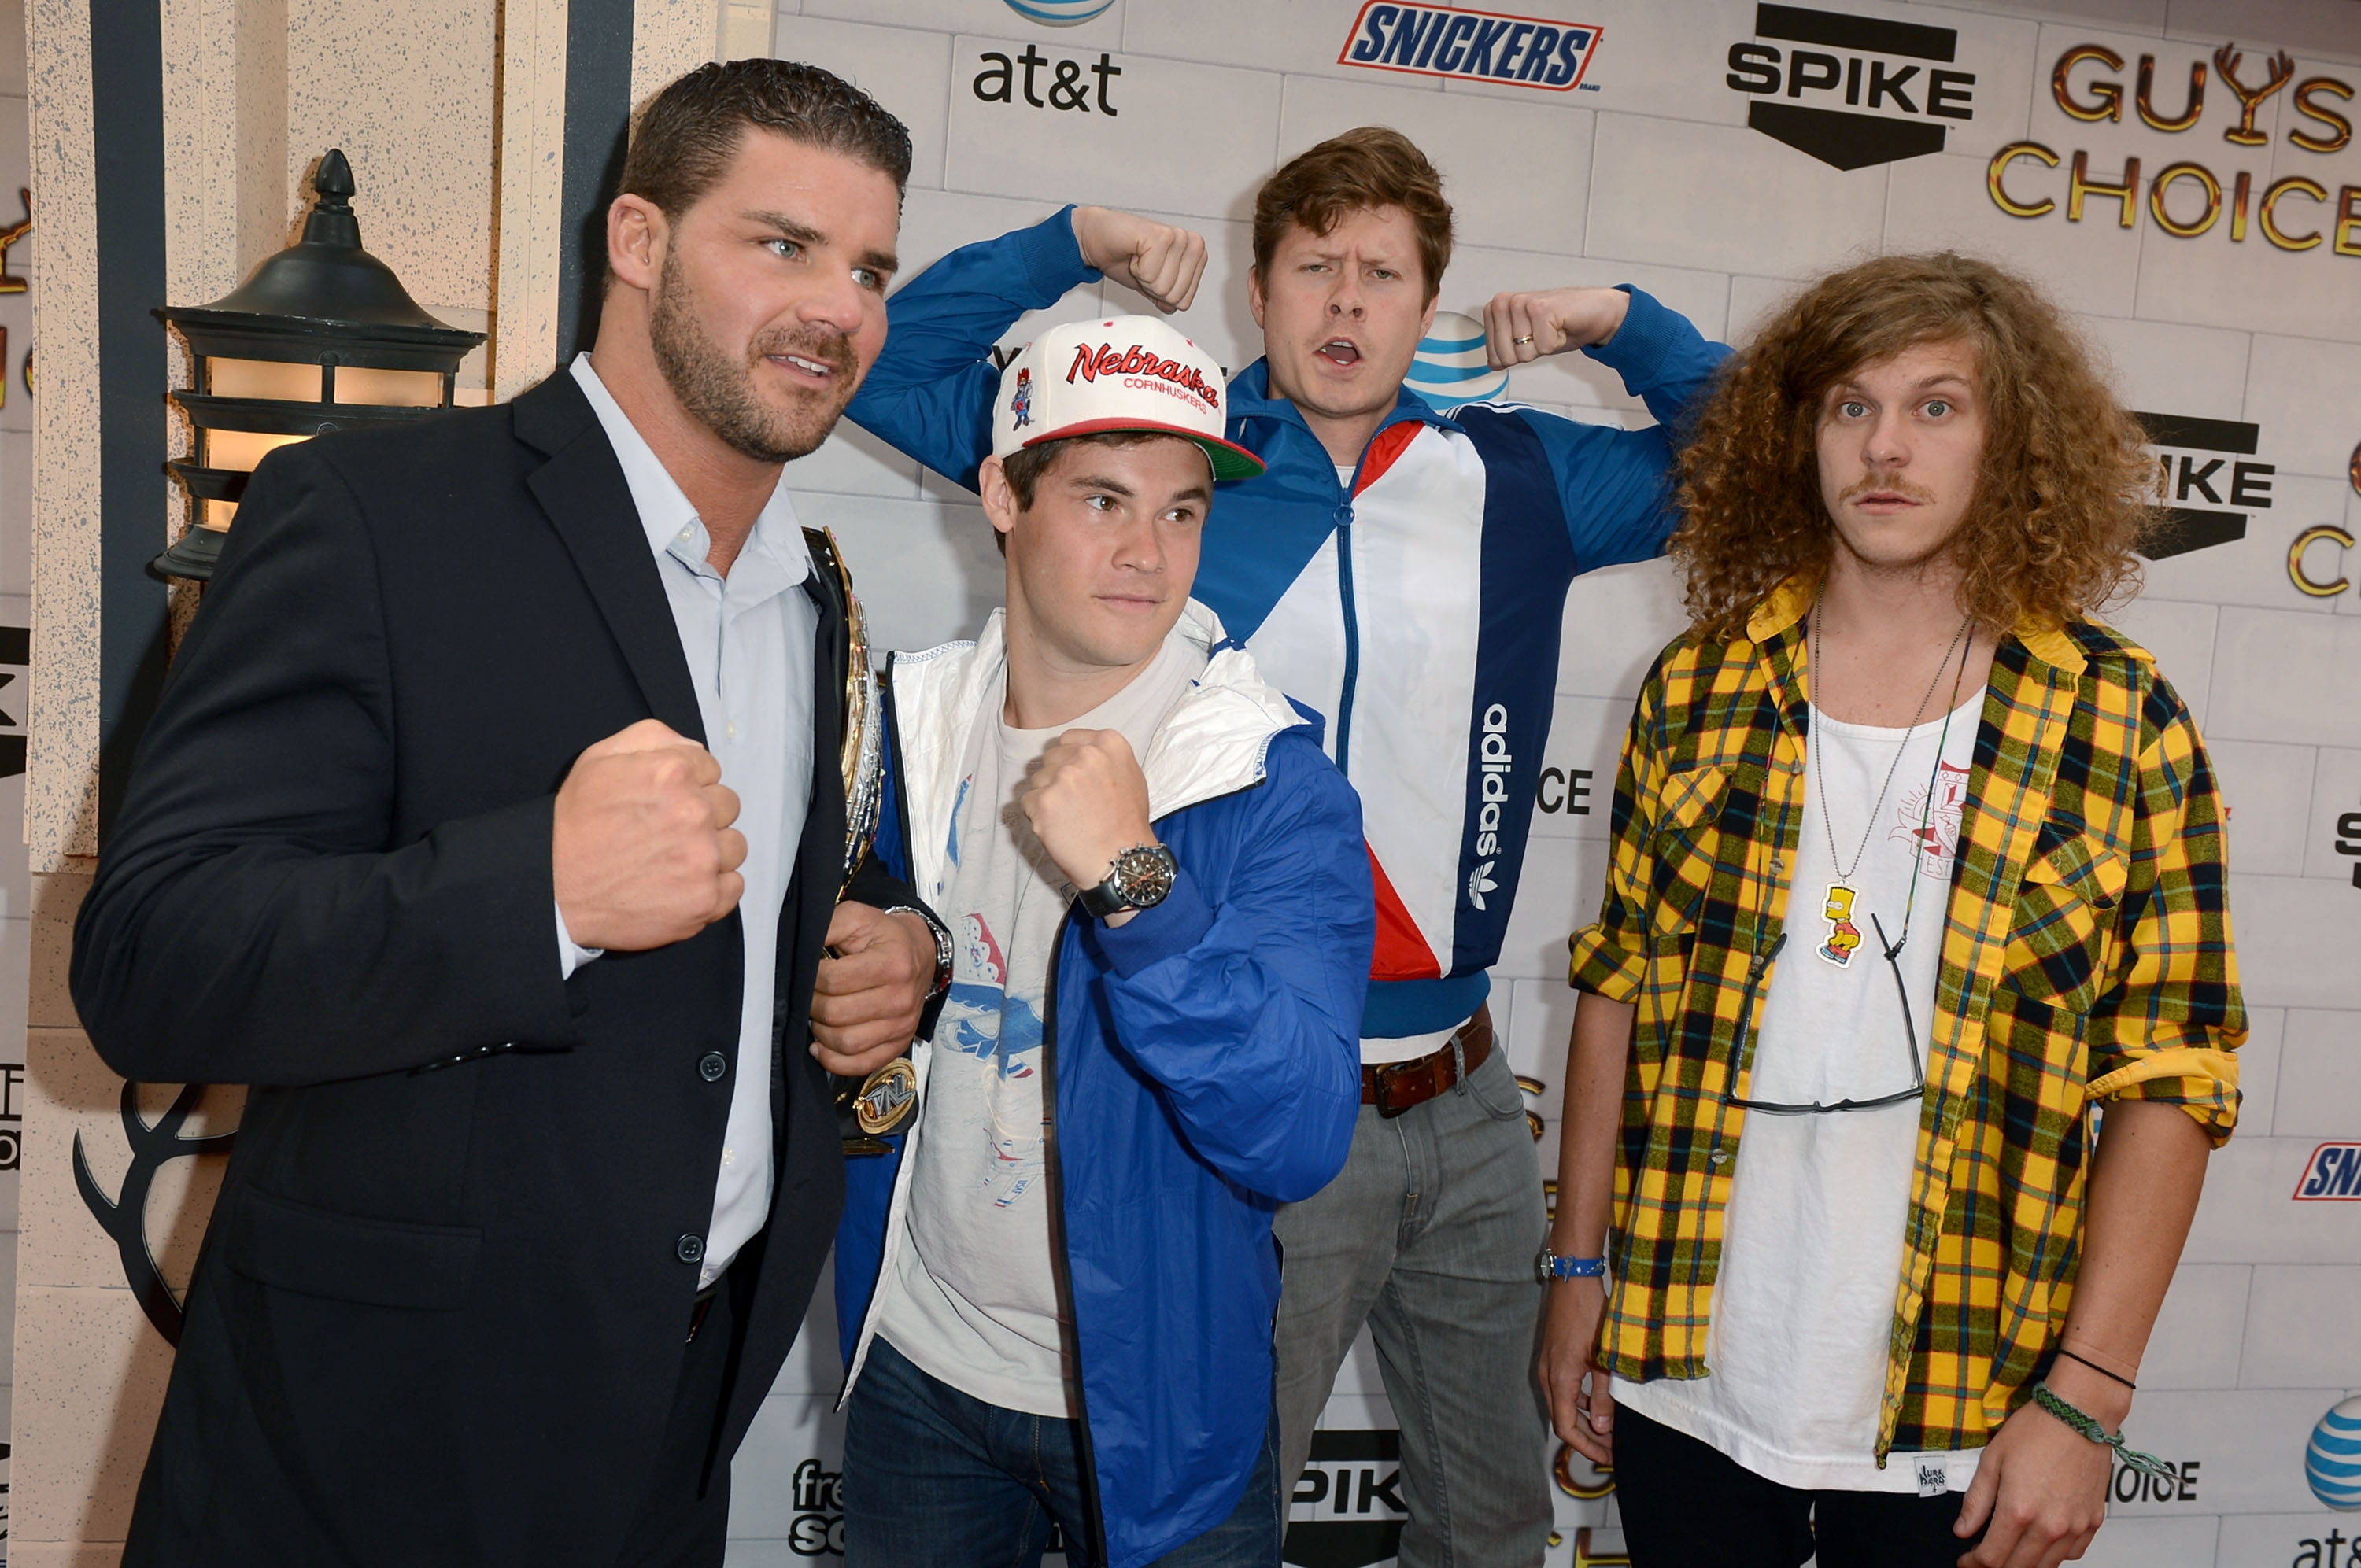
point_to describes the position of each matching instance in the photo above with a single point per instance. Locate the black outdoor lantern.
(322, 338)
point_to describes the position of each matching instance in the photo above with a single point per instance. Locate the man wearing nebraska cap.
(1402, 568)
(1057, 1284)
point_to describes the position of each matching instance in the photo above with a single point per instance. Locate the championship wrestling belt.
(865, 1109)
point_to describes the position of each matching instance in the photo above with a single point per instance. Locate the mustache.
(829, 348)
(1871, 484)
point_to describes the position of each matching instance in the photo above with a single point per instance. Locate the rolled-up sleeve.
(2170, 1027)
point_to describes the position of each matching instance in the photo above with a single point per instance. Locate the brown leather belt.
(1394, 1087)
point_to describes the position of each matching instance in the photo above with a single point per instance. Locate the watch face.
(1143, 876)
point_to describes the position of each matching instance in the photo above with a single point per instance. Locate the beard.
(720, 395)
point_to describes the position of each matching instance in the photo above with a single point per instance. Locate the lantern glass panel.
(387, 389)
(264, 379)
(242, 449)
(216, 514)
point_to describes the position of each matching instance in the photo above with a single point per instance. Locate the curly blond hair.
(2063, 497)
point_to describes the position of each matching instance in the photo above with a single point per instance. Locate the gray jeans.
(1429, 1235)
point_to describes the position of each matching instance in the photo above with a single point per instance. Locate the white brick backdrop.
(1648, 174)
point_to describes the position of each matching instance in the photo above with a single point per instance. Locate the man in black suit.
(437, 840)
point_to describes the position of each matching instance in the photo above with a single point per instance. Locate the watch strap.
(1102, 901)
(943, 947)
(1550, 1266)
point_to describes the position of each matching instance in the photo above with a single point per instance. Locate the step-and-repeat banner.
(2194, 195)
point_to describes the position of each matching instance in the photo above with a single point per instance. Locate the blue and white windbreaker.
(1201, 1065)
(1445, 563)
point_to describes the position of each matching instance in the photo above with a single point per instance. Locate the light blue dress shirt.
(748, 640)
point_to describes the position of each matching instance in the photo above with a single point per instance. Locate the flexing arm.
(1615, 483)
(929, 394)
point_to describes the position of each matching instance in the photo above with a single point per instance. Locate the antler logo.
(124, 1217)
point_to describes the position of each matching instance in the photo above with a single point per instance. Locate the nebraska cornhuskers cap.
(1123, 373)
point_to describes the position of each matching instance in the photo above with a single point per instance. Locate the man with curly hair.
(1892, 1217)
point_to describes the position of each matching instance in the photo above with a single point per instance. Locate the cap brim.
(1230, 460)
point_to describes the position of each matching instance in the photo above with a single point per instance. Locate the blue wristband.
(1549, 1267)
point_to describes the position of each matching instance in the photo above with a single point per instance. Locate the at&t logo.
(2332, 1460)
(1060, 12)
(1448, 368)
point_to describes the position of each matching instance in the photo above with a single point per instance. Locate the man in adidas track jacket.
(1402, 570)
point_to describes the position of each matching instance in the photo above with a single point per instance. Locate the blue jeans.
(935, 1478)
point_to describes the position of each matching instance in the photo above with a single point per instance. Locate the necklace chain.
(1819, 777)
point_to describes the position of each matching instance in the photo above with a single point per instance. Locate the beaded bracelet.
(2145, 1463)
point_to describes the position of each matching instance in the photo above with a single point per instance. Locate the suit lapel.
(589, 503)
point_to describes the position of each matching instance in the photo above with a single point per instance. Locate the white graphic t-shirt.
(1812, 1236)
(972, 1299)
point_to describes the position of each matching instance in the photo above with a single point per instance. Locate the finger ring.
(1527, 338)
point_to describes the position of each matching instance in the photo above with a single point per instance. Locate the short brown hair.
(1371, 167)
(1028, 466)
(685, 138)
(2060, 503)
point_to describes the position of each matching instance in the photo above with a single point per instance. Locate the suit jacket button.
(711, 1066)
(690, 1249)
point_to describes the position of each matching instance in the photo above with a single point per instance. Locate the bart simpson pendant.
(1843, 935)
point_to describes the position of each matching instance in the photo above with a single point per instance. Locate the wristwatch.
(1550, 1266)
(1140, 879)
(942, 947)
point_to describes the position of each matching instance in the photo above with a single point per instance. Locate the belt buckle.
(1388, 1075)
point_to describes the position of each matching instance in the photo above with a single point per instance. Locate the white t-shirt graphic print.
(972, 1299)
(1812, 1236)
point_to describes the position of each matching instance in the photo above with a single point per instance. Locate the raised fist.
(1087, 801)
(642, 852)
(1520, 328)
(1158, 260)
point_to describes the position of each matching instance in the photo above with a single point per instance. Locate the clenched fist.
(1519, 328)
(1159, 260)
(872, 990)
(1087, 801)
(641, 851)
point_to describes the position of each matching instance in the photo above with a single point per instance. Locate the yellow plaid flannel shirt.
(2086, 957)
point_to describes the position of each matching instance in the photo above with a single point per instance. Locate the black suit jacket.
(442, 1302)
